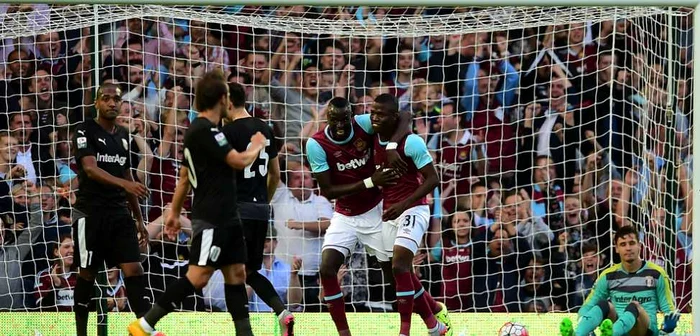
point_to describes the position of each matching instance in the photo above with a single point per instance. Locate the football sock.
(333, 297)
(404, 296)
(172, 297)
(136, 293)
(82, 293)
(264, 289)
(431, 304)
(420, 305)
(591, 319)
(237, 304)
(626, 321)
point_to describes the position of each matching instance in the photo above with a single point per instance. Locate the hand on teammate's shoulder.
(258, 139)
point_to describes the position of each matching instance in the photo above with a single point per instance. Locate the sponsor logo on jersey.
(125, 144)
(451, 166)
(353, 164)
(457, 259)
(106, 158)
(64, 297)
(628, 299)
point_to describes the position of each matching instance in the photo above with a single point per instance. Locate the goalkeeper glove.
(670, 322)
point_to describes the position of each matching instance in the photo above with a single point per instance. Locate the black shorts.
(255, 236)
(218, 247)
(105, 238)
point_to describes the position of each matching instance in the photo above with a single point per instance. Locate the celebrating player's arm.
(340, 119)
(236, 160)
(417, 151)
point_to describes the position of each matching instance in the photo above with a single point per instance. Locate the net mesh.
(550, 128)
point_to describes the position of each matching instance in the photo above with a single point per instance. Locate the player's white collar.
(328, 135)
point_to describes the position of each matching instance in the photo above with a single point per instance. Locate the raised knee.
(199, 282)
(605, 307)
(634, 307)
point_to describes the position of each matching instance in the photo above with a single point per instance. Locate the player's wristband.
(368, 183)
(392, 146)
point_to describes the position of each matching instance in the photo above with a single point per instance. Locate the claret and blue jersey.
(348, 161)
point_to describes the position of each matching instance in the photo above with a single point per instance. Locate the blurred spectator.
(455, 255)
(31, 153)
(517, 212)
(591, 265)
(116, 292)
(301, 218)
(55, 284)
(499, 255)
(12, 289)
(459, 156)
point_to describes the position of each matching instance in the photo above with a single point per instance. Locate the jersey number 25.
(248, 171)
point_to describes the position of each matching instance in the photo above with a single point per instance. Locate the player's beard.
(223, 112)
(109, 115)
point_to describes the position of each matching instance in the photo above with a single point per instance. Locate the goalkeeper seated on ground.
(629, 293)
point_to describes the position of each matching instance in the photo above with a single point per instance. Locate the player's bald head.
(389, 103)
(110, 89)
(338, 106)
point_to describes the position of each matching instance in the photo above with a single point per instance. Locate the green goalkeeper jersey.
(650, 286)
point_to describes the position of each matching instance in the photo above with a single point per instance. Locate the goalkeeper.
(629, 293)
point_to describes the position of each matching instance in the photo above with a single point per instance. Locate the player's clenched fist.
(258, 139)
(172, 225)
(384, 176)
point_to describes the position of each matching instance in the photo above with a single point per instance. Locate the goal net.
(550, 127)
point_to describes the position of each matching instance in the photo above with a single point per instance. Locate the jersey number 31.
(262, 168)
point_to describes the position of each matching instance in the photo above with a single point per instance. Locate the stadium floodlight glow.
(653, 29)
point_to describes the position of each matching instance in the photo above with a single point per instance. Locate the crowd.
(546, 140)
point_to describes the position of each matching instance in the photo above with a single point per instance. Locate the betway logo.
(121, 160)
(451, 166)
(457, 259)
(353, 164)
(64, 297)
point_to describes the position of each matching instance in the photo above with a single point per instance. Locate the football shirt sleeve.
(365, 123)
(664, 295)
(416, 149)
(82, 141)
(214, 143)
(316, 156)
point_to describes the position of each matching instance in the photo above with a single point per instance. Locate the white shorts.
(345, 231)
(408, 229)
